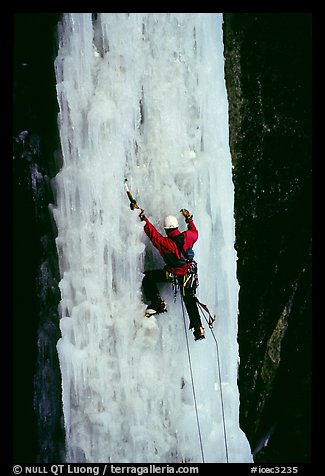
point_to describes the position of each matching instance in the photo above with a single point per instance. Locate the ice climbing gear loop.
(190, 282)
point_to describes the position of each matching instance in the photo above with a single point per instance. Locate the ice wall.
(143, 96)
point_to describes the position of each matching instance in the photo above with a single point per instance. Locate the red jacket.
(168, 248)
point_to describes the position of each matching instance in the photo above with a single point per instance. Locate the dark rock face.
(268, 76)
(38, 434)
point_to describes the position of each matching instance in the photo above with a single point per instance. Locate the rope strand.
(193, 388)
(220, 385)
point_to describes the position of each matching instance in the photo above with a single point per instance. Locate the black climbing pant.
(162, 276)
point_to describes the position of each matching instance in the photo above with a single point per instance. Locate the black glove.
(186, 214)
(141, 214)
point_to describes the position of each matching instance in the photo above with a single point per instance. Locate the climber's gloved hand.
(186, 214)
(141, 214)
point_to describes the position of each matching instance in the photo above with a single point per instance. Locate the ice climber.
(176, 250)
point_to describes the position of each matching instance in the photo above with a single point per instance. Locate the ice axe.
(133, 203)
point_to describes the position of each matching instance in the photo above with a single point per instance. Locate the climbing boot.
(156, 307)
(199, 333)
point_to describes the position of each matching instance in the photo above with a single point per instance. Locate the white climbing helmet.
(170, 222)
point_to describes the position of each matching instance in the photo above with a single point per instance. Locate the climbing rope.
(219, 374)
(210, 322)
(192, 380)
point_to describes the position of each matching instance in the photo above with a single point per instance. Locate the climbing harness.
(187, 283)
(190, 281)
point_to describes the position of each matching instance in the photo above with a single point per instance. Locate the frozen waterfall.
(143, 96)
